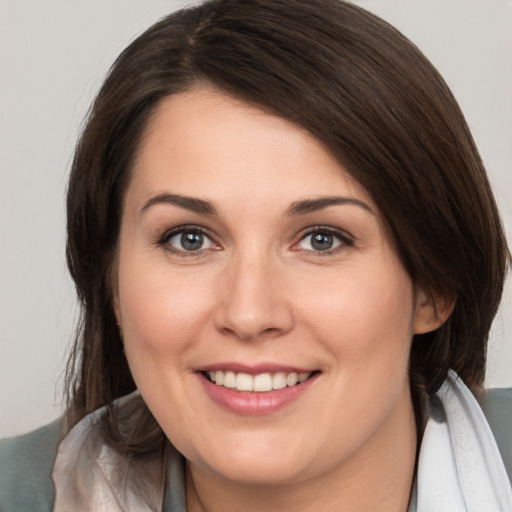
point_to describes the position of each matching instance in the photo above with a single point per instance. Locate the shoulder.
(497, 407)
(26, 464)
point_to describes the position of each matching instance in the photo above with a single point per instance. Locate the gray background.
(53, 56)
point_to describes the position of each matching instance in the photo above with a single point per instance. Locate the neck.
(378, 476)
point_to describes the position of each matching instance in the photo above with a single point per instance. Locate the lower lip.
(252, 403)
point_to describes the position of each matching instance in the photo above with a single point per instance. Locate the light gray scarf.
(459, 469)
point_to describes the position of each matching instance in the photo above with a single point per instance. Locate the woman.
(283, 238)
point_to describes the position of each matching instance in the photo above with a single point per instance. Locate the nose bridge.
(253, 300)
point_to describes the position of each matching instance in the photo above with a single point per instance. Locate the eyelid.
(346, 239)
(164, 239)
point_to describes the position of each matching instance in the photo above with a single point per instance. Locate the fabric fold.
(88, 474)
(460, 467)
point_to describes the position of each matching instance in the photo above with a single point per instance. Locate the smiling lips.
(255, 391)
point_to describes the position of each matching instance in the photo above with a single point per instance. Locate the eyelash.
(345, 239)
(163, 241)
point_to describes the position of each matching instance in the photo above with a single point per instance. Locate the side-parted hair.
(377, 105)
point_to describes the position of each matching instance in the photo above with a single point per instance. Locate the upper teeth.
(260, 382)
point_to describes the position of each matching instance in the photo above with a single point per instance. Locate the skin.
(258, 292)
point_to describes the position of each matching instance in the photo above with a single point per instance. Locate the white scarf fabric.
(459, 468)
(89, 475)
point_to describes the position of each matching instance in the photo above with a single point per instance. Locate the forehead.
(205, 143)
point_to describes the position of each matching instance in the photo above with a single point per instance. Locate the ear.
(432, 312)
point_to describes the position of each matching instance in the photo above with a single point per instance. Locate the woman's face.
(267, 320)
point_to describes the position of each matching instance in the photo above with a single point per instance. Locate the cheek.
(161, 310)
(365, 315)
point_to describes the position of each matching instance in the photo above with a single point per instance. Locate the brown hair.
(362, 89)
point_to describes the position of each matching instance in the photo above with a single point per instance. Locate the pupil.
(321, 241)
(191, 241)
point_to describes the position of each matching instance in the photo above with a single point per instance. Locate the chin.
(259, 472)
(257, 462)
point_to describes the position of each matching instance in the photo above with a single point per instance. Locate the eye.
(323, 240)
(187, 239)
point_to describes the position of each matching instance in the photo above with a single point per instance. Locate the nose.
(253, 302)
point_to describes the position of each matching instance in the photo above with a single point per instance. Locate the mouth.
(259, 383)
(255, 390)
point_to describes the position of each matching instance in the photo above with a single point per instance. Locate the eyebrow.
(297, 208)
(189, 203)
(312, 205)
